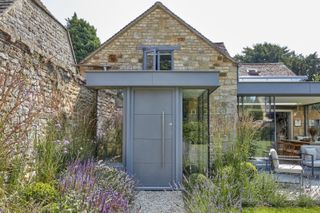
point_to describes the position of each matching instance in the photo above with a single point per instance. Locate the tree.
(271, 53)
(83, 35)
(264, 53)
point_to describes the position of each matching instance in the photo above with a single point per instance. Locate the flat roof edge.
(186, 79)
(279, 88)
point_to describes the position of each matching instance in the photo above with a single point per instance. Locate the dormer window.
(253, 72)
(158, 59)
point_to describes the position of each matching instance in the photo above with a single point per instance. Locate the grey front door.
(153, 137)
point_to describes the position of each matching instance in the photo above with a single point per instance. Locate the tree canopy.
(83, 35)
(272, 53)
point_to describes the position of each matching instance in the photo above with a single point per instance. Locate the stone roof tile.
(264, 69)
(222, 48)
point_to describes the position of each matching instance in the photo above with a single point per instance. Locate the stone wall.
(26, 22)
(56, 89)
(33, 43)
(158, 27)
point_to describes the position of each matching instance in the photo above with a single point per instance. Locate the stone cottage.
(179, 95)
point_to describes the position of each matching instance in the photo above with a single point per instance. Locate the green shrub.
(80, 133)
(41, 193)
(197, 179)
(304, 201)
(190, 169)
(191, 132)
(262, 190)
(277, 200)
(249, 169)
(227, 171)
(49, 160)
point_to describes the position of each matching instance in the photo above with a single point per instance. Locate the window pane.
(149, 61)
(110, 131)
(165, 61)
(195, 131)
(314, 122)
(260, 111)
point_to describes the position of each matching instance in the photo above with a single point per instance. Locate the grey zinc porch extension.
(183, 79)
(152, 131)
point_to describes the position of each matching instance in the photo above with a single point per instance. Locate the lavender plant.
(111, 178)
(81, 190)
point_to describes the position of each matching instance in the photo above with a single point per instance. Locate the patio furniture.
(278, 167)
(310, 155)
(291, 147)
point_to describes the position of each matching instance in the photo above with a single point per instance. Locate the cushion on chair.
(274, 155)
(316, 163)
(289, 168)
(310, 151)
(316, 147)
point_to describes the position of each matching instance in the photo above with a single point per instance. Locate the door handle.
(162, 140)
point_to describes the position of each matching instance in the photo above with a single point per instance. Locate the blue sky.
(238, 23)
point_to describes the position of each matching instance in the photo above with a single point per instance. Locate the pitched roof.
(5, 4)
(218, 46)
(222, 48)
(43, 7)
(264, 69)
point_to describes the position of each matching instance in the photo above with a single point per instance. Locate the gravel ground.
(158, 202)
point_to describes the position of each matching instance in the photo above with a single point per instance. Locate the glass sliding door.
(195, 131)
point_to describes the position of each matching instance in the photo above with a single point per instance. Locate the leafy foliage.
(234, 182)
(41, 193)
(49, 155)
(192, 132)
(65, 141)
(83, 35)
(271, 53)
(316, 77)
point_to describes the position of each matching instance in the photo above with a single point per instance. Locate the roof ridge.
(156, 5)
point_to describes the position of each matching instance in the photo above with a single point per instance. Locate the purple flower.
(58, 126)
(66, 142)
(80, 178)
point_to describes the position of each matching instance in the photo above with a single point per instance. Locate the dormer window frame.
(157, 52)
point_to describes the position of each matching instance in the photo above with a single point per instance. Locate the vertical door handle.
(162, 140)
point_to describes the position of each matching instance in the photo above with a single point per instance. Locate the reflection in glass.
(109, 145)
(314, 122)
(158, 60)
(195, 131)
(149, 60)
(165, 61)
(261, 110)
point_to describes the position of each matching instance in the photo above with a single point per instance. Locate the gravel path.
(158, 202)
